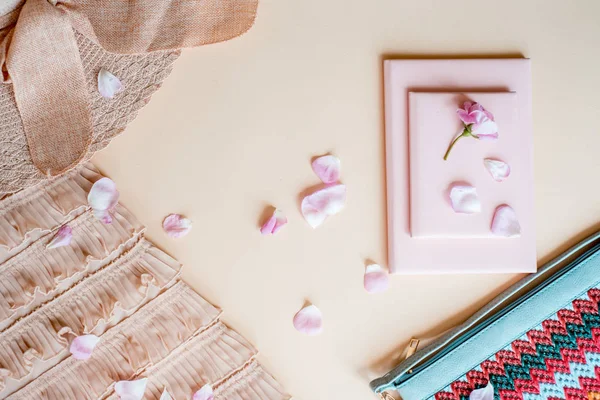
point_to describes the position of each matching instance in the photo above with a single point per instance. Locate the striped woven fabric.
(112, 282)
(558, 359)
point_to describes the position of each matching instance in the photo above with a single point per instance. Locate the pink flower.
(478, 123)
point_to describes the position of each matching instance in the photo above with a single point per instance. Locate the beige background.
(234, 128)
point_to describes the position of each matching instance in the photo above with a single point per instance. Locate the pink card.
(433, 124)
(420, 255)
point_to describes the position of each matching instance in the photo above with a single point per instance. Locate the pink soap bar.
(415, 255)
(433, 124)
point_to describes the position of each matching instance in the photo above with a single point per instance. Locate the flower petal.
(475, 107)
(376, 279)
(505, 222)
(82, 346)
(102, 198)
(465, 117)
(318, 206)
(108, 84)
(464, 199)
(274, 223)
(309, 321)
(327, 168)
(131, 390)
(166, 395)
(485, 130)
(176, 226)
(486, 393)
(62, 238)
(498, 169)
(205, 393)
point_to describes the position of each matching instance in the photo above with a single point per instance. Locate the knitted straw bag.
(140, 74)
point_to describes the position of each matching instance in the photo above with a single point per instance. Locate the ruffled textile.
(195, 364)
(111, 282)
(34, 212)
(36, 274)
(141, 340)
(41, 339)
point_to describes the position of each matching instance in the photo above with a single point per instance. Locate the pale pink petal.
(498, 169)
(464, 199)
(206, 393)
(487, 128)
(108, 84)
(274, 223)
(176, 226)
(309, 321)
(505, 222)
(104, 216)
(318, 206)
(82, 346)
(490, 137)
(376, 279)
(486, 393)
(467, 106)
(166, 395)
(62, 238)
(103, 198)
(465, 117)
(268, 226)
(131, 390)
(475, 107)
(327, 168)
(281, 221)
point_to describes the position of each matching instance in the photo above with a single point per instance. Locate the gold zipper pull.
(411, 349)
(413, 345)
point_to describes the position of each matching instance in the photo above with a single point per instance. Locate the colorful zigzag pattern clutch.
(540, 339)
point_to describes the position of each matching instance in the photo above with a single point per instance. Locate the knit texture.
(40, 56)
(558, 359)
(141, 76)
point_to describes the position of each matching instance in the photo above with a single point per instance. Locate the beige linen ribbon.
(39, 55)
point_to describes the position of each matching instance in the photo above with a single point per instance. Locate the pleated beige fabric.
(111, 282)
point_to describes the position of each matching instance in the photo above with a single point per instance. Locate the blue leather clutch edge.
(524, 342)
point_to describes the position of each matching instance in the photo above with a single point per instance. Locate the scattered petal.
(82, 346)
(62, 238)
(176, 225)
(309, 321)
(498, 169)
(206, 393)
(103, 198)
(274, 224)
(505, 222)
(327, 168)
(376, 279)
(318, 206)
(131, 390)
(486, 393)
(108, 84)
(166, 395)
(464, 199)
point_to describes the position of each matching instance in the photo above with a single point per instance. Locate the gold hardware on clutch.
(412, 347)
(386, 396)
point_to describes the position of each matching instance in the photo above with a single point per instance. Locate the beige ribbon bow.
(39, 55)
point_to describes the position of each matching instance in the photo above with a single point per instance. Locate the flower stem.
(464, 133)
